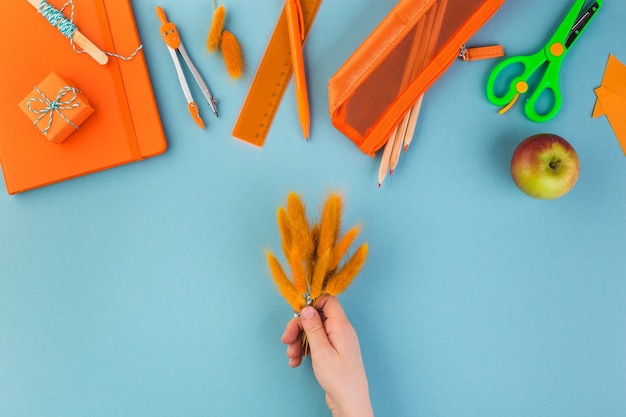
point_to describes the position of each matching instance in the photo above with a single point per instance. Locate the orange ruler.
(271, 79)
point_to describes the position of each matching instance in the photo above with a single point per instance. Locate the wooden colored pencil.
(414, 114)
(384, 160)
(430, 28)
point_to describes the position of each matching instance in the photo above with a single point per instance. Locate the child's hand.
(335, 354)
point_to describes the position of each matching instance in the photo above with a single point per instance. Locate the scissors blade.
(565, 27)
(581, 23)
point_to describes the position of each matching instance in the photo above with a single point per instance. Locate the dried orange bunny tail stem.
(315, 235)
(342, 247)
(342, 279)
(319, 275)
(330, 223)
(302, 246)
(297, 267)
(291, 250)
(217, 26)
(284, 229)
(301, 231)
(286, 287)
(233, 57)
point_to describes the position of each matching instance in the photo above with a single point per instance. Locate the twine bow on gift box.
(55, 106)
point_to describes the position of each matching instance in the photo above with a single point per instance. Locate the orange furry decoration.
(286, 288)
(314, 253)
(226, 42)
(217, 26)
(231, 51)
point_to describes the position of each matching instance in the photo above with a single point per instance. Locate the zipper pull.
(481, 52)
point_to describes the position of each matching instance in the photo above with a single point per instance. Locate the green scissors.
(552, 53)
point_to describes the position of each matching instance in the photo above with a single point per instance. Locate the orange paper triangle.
(615, 107)
(611, 98)
(614, 79)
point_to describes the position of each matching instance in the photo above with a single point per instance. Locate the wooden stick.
(82, 41)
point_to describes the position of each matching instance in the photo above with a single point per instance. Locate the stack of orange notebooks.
(125, 126)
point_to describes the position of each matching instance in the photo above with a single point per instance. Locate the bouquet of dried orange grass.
(316, 253)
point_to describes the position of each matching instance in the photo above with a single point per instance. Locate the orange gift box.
(56, 107)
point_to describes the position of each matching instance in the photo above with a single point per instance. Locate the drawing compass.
(175, 46)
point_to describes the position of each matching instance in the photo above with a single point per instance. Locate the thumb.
(314, 329)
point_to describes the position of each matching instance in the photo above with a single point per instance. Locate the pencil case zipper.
(476, 53)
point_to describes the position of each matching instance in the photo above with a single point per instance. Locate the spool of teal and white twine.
(67, 27)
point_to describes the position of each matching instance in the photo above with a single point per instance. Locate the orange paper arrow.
(611, 98)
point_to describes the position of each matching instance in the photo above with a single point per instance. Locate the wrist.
(357, 406)
(362, 410)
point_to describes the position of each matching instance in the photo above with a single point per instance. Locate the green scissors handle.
(553, 53)
(549, 82)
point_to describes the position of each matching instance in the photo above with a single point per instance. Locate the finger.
(314, 329)
(294, 352)
(292, 331)
(295, 362)
(338, 328)
(292, 337)
(331, 308)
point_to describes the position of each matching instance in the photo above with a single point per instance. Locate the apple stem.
(555, 164)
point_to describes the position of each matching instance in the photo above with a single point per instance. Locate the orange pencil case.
(408, 51)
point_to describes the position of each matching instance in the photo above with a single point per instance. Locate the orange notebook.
(125, 126)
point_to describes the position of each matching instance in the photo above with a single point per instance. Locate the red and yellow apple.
(545, 166)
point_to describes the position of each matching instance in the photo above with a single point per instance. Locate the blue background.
(143, 290)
